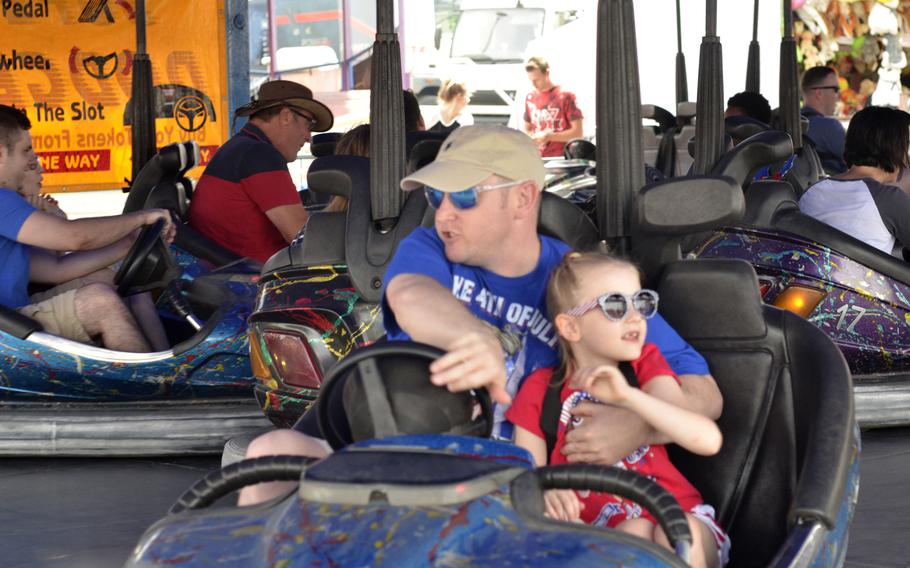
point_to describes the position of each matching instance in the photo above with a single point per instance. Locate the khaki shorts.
(55, 309)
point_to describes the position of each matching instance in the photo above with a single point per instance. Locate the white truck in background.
(487, 49)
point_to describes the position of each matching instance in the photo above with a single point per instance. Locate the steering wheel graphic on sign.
(190, 114)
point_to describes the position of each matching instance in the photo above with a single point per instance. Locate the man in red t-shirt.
(246, 200)
(551, 116)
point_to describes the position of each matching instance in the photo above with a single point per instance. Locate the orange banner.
(68, 64)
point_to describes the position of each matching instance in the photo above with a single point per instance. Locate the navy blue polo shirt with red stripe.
(246, 177)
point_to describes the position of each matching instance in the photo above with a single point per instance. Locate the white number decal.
(842, 321)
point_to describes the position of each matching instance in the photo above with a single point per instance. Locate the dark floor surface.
(79, 513)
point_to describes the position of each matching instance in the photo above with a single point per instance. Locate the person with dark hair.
(30, 240)
(752, 105)
(246, 200)
(862, 201)
(551, 117)
(820, 87)
(413, 120)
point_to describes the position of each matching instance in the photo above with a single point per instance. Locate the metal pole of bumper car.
(789, 82)
(753, 72)
(620, 156)
(387, 149)
(273, 39)
(682, 82)
(709, 128)
(142, 136)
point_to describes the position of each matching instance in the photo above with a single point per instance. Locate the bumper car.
(63, 398)
(409, 487)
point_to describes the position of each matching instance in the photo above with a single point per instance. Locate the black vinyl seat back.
(788, 407)
(563, 220)
(806, 169)
(423, 152)
(766, 201)
(412, 139)
(580, 149)
(761, 149)
(351, 238)
(322, 240)
(323, 144)
(167, 168)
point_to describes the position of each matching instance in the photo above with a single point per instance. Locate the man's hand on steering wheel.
(475, 360)
(150, 216)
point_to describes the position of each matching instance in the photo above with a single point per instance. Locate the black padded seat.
(806, 168)
(761, 149)
(170, 164)
(322, 240)
(411, 139)
(566, 221)
(812, 229)
(323, 144)
(766, 201)
(580, 149)
(780, 464)
(423, 152)
(16, 324)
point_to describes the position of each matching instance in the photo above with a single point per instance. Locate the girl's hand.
(562, 505)
(605, 382)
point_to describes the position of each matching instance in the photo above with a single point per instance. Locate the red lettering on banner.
(75, 161)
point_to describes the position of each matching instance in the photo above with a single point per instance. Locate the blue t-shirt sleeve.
(683, 358)
(14, 210)
(422, 253)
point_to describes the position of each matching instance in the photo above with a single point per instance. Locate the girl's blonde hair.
(562, 292)
(449, 89)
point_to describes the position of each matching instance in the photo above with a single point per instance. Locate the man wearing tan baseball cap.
(475, 286)
(246, 200)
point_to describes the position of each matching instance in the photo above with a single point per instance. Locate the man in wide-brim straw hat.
(246, 200)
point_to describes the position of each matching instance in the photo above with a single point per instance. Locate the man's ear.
(528, 196)
(567, 326)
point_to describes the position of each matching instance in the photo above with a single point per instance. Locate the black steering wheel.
(147, 265)
(527, 495)
(386, 371)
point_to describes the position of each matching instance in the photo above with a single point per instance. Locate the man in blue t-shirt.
(29, 239)
(482, 273)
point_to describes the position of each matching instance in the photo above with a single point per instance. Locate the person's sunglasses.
(616, 305)
(310, 120)
(828, 88)
(464, 199)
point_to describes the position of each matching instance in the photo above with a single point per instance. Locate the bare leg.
(640, 527)
(102, 312)
(282, 442)
(704, 550)
(143, 309)
(146, 315)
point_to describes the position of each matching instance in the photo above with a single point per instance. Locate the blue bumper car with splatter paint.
(409, 486)
(64, 398)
